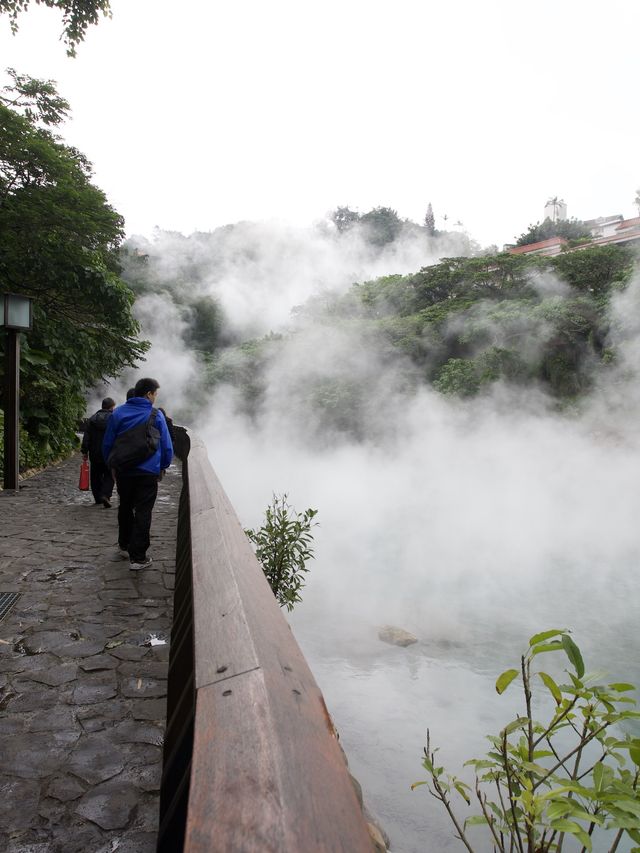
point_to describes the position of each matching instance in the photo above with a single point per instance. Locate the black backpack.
(135, 445)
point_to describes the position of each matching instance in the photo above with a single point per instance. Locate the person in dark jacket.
(138, 487)
(100, 475)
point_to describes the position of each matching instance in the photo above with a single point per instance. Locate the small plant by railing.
(283, 547)
(542, 785)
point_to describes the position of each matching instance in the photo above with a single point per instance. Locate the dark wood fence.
(251, 760)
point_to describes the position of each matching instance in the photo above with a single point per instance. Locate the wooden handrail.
(251, 759)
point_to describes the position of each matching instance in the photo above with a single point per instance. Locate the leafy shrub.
(283, 546)
(544, 784)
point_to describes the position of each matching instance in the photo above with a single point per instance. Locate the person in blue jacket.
(138, 487)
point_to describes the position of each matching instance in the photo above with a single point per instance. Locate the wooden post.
(11, 409)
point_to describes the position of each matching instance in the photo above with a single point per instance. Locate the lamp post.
(16, 315)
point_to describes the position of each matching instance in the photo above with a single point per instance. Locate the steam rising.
(436, 503)
(470, 523)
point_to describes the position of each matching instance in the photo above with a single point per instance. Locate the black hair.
(131, 393)
(143, 386)
(108, 403)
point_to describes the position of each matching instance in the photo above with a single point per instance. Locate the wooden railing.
(251, 760)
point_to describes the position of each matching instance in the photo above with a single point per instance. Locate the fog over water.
(472, 524)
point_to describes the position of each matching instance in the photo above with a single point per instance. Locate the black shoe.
(106, 503)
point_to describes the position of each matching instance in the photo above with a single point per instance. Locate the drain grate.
(7, 600)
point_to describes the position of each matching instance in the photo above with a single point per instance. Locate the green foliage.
(571, 229)
(458, 376)
(58, 242)
(77, 15)
(571, 780)
(430, 221)
(283, 546)
(344, 218)
(382, 225)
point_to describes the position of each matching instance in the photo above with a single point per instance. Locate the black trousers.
(137, 497)
(101, 479)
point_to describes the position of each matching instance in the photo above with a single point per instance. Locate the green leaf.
(547, 647)
(518, 723)
(505, 679)
(634, 755)
(475, 820)
(551, 686)
(597, 776)
(462, 789)
(545, 635)
(622, 687)
(573, 653)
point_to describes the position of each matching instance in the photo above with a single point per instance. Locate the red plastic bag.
(83, 485)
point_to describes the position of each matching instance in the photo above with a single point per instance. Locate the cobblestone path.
(82, 676)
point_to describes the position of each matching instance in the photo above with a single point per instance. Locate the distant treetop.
(77, 15)
(571, 229)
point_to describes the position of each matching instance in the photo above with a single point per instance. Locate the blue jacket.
(130, 414)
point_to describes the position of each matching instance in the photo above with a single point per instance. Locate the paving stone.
(42, 641)
(22, 791)
(137, 732)
(12, 725)
(58, 718)
(23, 663)
(144, 668)
(35, 756)
(89, 694)
(34, 700)
(115, 709)
(143, 688)
(128, 652)
(65, 788)
(150, 709)
(135, 842)
(55, 676)
(96, 759)
(147, 777)
(97, 663)
(109, 807)
(81, 649)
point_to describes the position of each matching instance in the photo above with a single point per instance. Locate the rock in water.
(396, 636)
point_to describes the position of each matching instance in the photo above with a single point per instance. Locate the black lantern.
(16, 315)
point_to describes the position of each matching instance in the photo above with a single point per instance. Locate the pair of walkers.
(137, 484)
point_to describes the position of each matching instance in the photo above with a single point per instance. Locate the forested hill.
(460, 326)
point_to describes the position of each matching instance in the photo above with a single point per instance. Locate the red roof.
(534, 247)
(628, 223)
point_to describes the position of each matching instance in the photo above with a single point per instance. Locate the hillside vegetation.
(459, 326)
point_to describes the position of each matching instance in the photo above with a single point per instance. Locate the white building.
(555, 209)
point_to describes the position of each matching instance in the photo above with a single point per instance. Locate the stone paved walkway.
(82, 678)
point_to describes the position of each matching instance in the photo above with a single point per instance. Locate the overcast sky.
(196, 114)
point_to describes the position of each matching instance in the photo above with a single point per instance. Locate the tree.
(637, 201)
(567, 780)
(571, 229)
(77, 15)
(283, 546)
(344, 218)
(382, 225)
(58, 243)
(430, 221)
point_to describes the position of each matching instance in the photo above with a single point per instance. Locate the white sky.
(196, 114)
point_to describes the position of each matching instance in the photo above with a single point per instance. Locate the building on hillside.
(605, 230)
(552, 246)
(603, 226)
